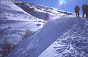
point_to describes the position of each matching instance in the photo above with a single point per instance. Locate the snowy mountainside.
(15, 26)
(17, 23)
(71, 34)
(40, 10)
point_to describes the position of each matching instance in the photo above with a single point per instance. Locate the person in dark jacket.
(87, 12)
(84, 10)
(46, 17)
(77, 11)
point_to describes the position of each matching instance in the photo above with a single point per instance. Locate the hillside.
(30, 30)
(15, 26)
(40, 11)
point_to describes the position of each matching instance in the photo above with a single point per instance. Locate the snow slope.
(73, 43)
(40, 10)
(53, 30)
(15, 23)
(17, 19)
(67, 32)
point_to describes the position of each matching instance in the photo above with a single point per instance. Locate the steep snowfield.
(68, 31)
(16, 24)
(73, 43)
(17, 19)
(63, 36)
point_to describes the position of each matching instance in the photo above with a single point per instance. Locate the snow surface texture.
(72, 36)
(70, 33)
(17, 19)
(16, 24)
(73, 43)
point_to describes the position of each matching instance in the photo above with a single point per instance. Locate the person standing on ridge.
(77, 11)
(84, 10)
